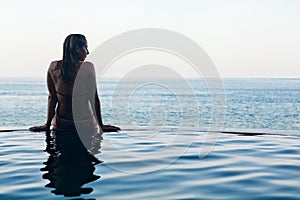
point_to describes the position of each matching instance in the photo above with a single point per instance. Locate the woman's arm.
(52, 102)
(92, 91)
(105, 128)
(98, 110)
(95, 102)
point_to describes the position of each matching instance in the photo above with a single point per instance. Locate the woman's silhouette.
(73, 99)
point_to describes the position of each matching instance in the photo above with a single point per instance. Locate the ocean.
(240, 141)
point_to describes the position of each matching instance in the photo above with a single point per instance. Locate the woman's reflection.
(70, 165)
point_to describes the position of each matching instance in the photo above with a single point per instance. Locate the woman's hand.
(39, 128)
(109, 128)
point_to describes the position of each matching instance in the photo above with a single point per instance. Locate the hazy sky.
(244, 38)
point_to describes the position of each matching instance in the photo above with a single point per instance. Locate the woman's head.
(74, 46)
(74, 51)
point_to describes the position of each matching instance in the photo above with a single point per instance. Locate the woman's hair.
(70, 56)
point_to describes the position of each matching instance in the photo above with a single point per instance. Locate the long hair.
(70, 56)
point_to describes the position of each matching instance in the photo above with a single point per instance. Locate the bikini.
(88, 125)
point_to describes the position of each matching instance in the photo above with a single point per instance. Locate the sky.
(243, 38)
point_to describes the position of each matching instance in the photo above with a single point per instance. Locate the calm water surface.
(156, 162)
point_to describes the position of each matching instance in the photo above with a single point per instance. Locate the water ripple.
(239, 167)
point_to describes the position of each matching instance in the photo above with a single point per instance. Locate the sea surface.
(191, 140)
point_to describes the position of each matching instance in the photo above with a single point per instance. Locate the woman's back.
(71, 94)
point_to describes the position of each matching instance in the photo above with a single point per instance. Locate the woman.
(73, 102)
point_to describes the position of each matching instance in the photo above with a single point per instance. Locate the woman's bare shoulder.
(53, 65)
(88, 66)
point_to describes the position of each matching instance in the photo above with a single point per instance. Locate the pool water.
(238, 167)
